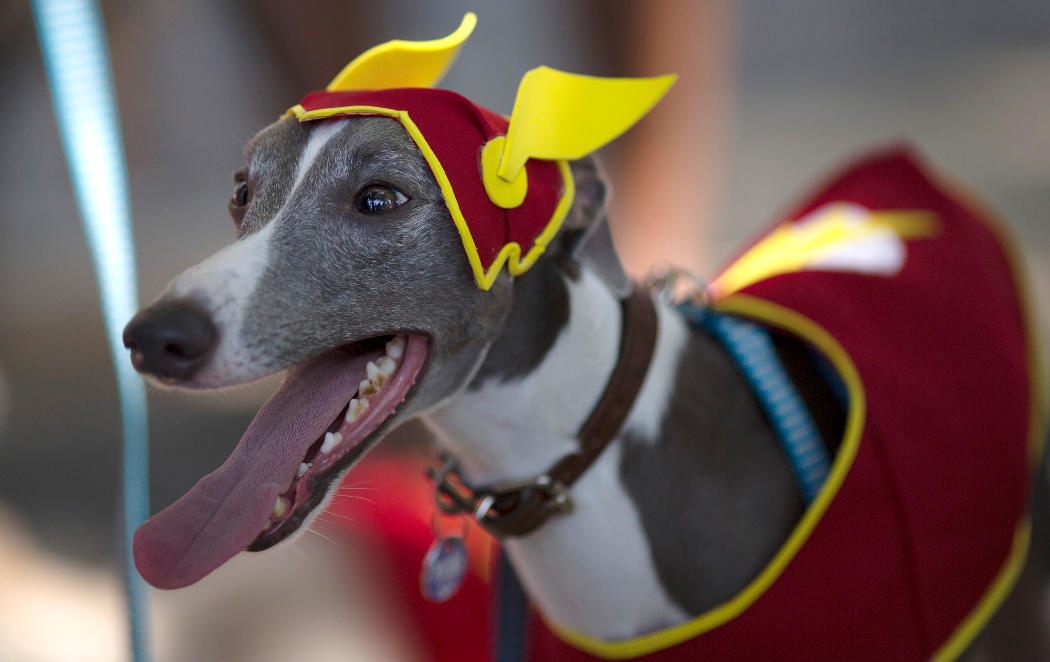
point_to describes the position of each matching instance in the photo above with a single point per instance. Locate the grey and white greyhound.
(348, 271)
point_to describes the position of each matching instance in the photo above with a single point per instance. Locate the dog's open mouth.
(316, 425)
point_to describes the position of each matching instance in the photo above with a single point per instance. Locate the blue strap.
(512, 609)
(73, 42)
(752, 349)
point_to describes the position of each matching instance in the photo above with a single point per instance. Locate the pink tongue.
(229, 507)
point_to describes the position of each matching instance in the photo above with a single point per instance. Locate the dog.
(348, 271)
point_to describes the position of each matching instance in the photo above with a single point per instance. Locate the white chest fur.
(590, 571)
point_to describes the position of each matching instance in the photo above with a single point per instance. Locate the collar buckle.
(496, 507)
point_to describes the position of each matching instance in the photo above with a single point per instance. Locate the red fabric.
(456, 130)
(925, 518)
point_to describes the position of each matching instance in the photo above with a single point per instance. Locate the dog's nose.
(170, 340)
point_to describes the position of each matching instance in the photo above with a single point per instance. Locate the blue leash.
(73, 43)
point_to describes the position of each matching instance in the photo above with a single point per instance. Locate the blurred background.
(772, 96)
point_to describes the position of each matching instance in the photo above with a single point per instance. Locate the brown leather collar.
(520, 508)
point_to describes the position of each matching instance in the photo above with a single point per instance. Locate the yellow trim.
(511, 251)
(779, 316)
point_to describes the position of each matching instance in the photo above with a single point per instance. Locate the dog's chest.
(592, 569)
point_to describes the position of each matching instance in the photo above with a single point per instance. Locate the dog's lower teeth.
(396, 347)
(280, 507)
(355, 409)
(375, 374)
(386, 366)
(331, 440)
(378, 371)
(367, 388)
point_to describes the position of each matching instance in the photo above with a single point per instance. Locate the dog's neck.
(605, 569)
(513, 421)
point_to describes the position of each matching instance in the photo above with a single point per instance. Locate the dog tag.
(444, 568)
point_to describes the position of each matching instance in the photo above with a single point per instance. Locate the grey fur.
(716, 493)
(360, 275)
(539, 312)
(598, 254)
(271, 178)
(586, 236)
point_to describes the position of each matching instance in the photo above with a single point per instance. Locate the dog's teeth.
(303, 468)
(386, 366)
(396, 347)
(355, 409)
(280, 507)
(375, 375)
(367, 388)
(331, 440)
(378, 372)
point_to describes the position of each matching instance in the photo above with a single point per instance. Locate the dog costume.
(908, 293)
(921, 528)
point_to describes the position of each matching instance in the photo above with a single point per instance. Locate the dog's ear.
(585, 231)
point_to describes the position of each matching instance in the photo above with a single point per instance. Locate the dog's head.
(353, 269)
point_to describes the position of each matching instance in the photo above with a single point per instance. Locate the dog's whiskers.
(341, 497)
(364, 484)
(340, 515)
(295, 547)
(318, 533)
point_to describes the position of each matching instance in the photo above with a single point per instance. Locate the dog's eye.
(379, 200)
(241, 194)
